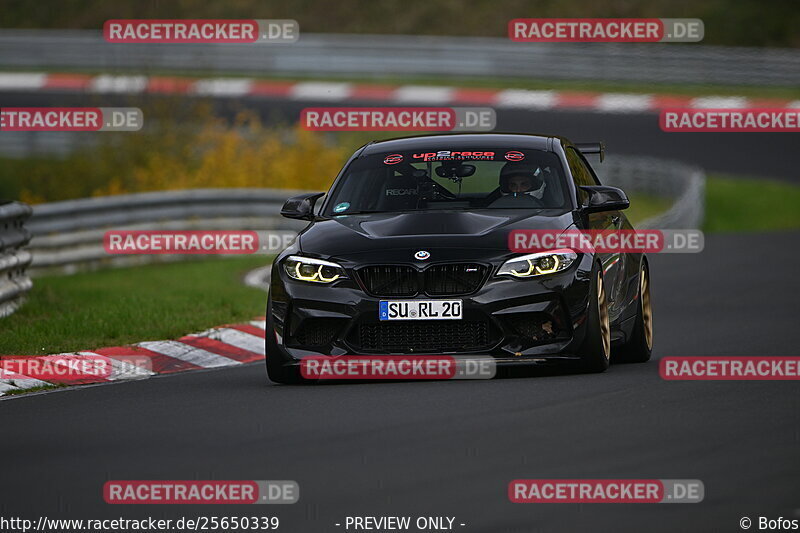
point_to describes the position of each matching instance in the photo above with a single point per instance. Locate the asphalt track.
(754, 154)
(747, 154)
(451, 448)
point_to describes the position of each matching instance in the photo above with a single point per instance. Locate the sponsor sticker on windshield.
(393, 159)
(450, 155)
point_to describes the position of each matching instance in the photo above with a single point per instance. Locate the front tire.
(640, 346)
(596, 350)
(276, 370)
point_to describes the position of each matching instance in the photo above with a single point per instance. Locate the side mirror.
(604, 198)
(301, 206)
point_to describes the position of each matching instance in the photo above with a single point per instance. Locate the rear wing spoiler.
(592, 148)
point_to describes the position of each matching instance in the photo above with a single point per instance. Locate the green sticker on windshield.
(341, 207)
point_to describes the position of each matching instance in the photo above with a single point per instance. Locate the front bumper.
(513, 320)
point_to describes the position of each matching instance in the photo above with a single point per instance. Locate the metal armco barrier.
(68, 236)
(14, 281)
(333, 55)
(683, 185)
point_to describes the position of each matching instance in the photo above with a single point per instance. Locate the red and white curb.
(224, 346)
(337, 92)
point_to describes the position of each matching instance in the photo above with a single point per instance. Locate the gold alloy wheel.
(647, 311)
(602, 310)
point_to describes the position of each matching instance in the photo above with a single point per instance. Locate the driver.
(521, 183)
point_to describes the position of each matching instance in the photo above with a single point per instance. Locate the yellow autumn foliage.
(208, 154)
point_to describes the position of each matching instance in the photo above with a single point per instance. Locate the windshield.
(447, 179)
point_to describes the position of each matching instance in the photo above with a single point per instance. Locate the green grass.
(33, 389)
(737, 204)
(127, 305)
(644, 206)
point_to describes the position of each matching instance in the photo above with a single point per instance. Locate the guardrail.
(683, 185)
(68, 236)
(22, 144)
(14, 282)
(333, 55)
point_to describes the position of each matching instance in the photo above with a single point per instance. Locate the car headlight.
(538, 264)
(314, 270)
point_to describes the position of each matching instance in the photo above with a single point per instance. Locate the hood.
(447, 235)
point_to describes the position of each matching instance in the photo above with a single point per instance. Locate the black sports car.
(409, 254)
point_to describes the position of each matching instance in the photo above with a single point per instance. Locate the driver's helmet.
(520, 177)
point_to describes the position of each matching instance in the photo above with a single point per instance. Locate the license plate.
(420, 310)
